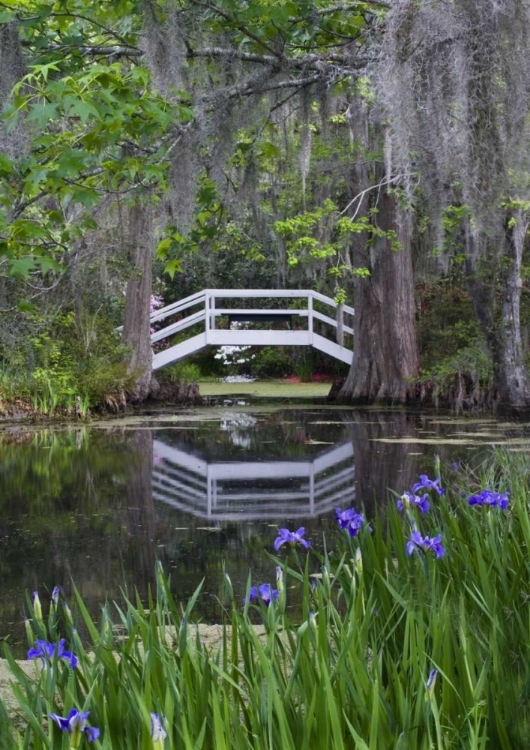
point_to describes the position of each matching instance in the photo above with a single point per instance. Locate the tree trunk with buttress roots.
(385, 359)
(137, 328)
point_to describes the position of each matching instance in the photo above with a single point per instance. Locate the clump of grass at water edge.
(415, 633)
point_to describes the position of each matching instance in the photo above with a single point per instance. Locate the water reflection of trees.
(381, 466)
(283, 434)
(70, 510)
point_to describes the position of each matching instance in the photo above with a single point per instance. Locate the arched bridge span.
(228, 320)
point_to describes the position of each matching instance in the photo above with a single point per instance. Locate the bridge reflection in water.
(253, 490)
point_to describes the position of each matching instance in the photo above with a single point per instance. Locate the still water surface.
(200, 490)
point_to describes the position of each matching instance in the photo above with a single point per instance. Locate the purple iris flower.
(428, 484)
(291, 537)
(264, 593)
(350, 520)
(45, 650)
(76, 725)
(408, 499)
(426, 544)
(490, 498)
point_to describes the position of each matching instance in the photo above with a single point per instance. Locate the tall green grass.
(348, 670)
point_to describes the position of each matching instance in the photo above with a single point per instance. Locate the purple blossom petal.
(409, 549)
(75, 722)
(489, 498)
(45, 650)
(264, 593)
(349, 519)
(62, 723)
(92, 733)
(291, 537)
(428, 484)
(426, 544)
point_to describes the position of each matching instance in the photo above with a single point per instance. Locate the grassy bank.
(416, 634)
(274, 389)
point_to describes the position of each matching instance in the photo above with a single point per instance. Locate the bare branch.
(240, 27)
(111, 50)
(360, 196)
(345, 7)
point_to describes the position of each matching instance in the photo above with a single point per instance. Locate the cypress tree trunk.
(136, 328)
(502, 329)
(385, 356)
(514, 389)
(11, 60)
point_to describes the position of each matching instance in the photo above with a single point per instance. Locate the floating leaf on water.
(424, 441)
(327, 422)
(455, 421)
(512, 441)
(476, 434)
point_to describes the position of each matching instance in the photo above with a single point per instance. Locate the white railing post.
(207, 315)
(340, 324)
(212, 303)
(310, 316)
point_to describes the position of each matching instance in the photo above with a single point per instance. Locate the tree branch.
(240, 27)
(344, 7)
(111, 50)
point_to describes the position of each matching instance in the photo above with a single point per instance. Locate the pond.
(203, 491)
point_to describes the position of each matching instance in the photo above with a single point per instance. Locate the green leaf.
(174, 266)
(163, 248)
(84, 110)
(44, 69)
(21, 267)
(6, 166)
(46, 264)
(43, 113)
(25, 306)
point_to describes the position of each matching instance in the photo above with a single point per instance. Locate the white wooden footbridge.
(217, 310)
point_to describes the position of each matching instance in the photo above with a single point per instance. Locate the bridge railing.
(210, 311)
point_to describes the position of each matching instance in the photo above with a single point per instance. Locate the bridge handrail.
(256, 293)
(285, 293)
(174, 307)
(331, 321)
(202, 296)
(179, 326)
(331, 302)
(224, 311)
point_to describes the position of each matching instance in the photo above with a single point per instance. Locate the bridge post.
(310, 317)
(212, 312)
(207, 315)
(340, 324)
